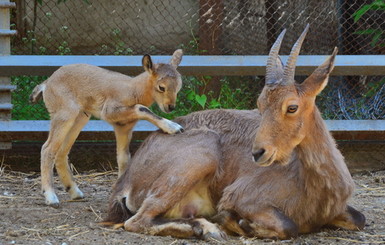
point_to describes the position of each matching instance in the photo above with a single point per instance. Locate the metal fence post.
(5, 49)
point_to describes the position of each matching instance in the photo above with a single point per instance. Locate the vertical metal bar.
(5, 49)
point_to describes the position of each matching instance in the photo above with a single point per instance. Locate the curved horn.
(274, 67)
(292, 60)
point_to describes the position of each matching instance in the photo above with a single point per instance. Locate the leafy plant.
(22, 109)
(192, 46)
(376, 33)
(233, 95)
(375, 5)
(120, 47)
(63, 49)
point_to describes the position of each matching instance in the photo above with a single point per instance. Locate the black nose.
(171, 107)
(258, 154)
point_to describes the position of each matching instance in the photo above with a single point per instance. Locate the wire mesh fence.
(242, 27)
(207, 27)
(220, 27)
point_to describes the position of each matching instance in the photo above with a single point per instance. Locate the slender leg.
(61, 160)
(58, 132)
(167, 126)
(123, 136)
(113, 113)
(351, 219)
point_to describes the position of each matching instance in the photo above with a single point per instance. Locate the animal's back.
(82, 86)
(87, 77)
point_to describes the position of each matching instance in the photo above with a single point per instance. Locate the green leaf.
(359, 13)
(190, 95)
(366, 32)
(201, 99)
(214, 104)
(40, 2)
(376, 38)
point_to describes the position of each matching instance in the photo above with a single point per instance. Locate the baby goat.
(75, 92)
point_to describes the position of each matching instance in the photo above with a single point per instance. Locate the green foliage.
(377, 34)
(63, 49)
(192, 46)
(120, 46)
(22, 109)
(233, 95)
(375, 5)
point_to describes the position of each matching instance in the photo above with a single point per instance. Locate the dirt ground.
(25, 219)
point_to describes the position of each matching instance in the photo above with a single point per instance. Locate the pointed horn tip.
(306, 29)
(283, 32)
(335, 51)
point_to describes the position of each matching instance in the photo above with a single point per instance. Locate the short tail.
(37, 93)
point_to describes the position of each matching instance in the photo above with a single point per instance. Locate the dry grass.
(26, 220)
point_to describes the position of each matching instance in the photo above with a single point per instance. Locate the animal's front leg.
(230, 222)
(351, 219)
(167, 126)
(115, 113)
(269, 223)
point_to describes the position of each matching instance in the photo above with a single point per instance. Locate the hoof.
(76, 193)
(217, 236)
(171, 127)
(51, 199)
(54, 205)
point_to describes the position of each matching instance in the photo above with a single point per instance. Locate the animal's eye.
(292, 108)
(162, 89)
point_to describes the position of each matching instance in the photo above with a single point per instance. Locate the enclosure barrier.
(191, 65)
(5, 50)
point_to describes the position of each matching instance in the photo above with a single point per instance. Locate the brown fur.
(75, 92)
(270, 173)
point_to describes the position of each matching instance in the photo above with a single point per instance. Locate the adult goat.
(271, 173)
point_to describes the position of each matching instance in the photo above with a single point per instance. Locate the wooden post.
(210, 31)
(5, 49)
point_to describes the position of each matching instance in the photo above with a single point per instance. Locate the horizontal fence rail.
(233, 65)
(97, 129)
(191, 65)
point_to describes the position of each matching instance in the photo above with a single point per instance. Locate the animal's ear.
(147, 64)
(176, 58)
(317, 81)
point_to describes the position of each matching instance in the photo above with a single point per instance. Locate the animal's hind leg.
(61, 160)
(123, 134)
(351, 219)
(170, 194)
(57, 134)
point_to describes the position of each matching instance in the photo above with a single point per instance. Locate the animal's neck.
(326, 179)
(318, 146)
(143, 89)
(321, 160)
